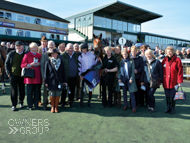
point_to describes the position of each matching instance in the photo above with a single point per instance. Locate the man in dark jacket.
(13, 70)
(70, 61)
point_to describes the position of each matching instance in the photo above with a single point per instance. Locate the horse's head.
(97, 44)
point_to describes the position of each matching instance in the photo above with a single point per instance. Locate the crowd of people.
(61, 71)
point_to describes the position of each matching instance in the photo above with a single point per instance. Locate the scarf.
(56, 63)
(126, 60)
(170, 58)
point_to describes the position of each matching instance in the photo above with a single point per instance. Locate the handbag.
(180, 95)
(60, 85)
(153, 82)
(28, 73)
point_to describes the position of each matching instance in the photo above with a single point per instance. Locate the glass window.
(57, 24)
(8, 15)
(60, 37)
(134, 27)
(38, 35)
(48, 22)
(32, 20)
(20, 18)
(43, 22)
(20, 33)
(89, 23)
(15, 32)
(43, 34)
(115, 24)
(38, 21)
(108, 23)
(130, 27)
(2, 30)
(119, 25)
(52, 23)
(78, 22)
(102, 22)
(124, 26)
(150, 39)
(27, 19)
(83, 21)
(14, 16)
(156, 39)
(33, 33)
(65, 26)
(138, 28)
(52, 36)
(61, 25)
(1, 14)
(27, 33)
(97, 21)
(48, 35)
(8, 31)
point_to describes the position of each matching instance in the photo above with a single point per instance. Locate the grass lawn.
(96, 125)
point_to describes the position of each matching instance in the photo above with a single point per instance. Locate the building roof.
(6, 5)
(119, 9)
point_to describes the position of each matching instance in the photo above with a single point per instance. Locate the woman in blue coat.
(126, 75)
(156, 73)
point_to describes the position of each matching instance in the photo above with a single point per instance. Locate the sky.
(175, 21)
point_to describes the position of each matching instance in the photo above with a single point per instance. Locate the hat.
(54, 51)
(84, 46)
(18, 43)
(43, 38)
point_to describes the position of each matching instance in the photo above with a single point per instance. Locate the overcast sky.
(175, 21)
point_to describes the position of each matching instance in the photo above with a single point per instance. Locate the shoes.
(125, 108)
(134, 110)
(151, 110)
(21, 105)
(90, 105)
(172, 110)
(29, 109)
(103, 106)
(13, 108)
(45, 107)
(168, 110)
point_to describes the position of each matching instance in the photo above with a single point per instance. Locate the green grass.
(96, 125)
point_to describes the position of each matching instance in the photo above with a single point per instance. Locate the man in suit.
(44, 59)
(42, 49)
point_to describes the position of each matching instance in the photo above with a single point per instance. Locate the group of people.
(62, 70)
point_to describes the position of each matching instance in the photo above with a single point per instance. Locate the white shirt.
(126, 69)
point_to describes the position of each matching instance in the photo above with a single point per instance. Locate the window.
(52, 23)
(134, 28)
(8, 16)
(102, 22)
(43, 22)
(20, 18)
(83, 22)
(138, 28)
(89, 20)
(38, 21)
(1, 14)
(8, 31)
(52, 36)
(20, 33)
(130, 27)
(57, 24)
(115, 24)
(32, 20)
(124, 26)
(96, 21)
(108, 23)
(2, 30)
(61, 37)
(27, 33)
(27, 19)
(48, 22)
(78, 22)
(57, 37)
(60, 25)
(120, 25)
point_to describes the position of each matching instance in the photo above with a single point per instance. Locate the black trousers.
(72, 81)
(150, 93)
(17, 83)
(33, 94)
(109, 82)
(137, 93)
(39, 97)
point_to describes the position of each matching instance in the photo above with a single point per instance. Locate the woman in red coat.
(32, 60)
(173, 75)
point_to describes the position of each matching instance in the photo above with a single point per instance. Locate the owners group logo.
(31, 126)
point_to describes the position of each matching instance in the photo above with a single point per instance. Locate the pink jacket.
(27, 59)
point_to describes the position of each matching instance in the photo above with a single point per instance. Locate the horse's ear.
(94, 36)
(100, 36)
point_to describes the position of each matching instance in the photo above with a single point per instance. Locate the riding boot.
(115, 98)
(52, 104)
(173, 106)
(168, 103)
(56, 104)
(119, 100)
(90, 97)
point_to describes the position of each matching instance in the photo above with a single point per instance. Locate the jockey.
(86, 60)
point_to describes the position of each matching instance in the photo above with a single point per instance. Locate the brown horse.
(98, 51)
(3, 54)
